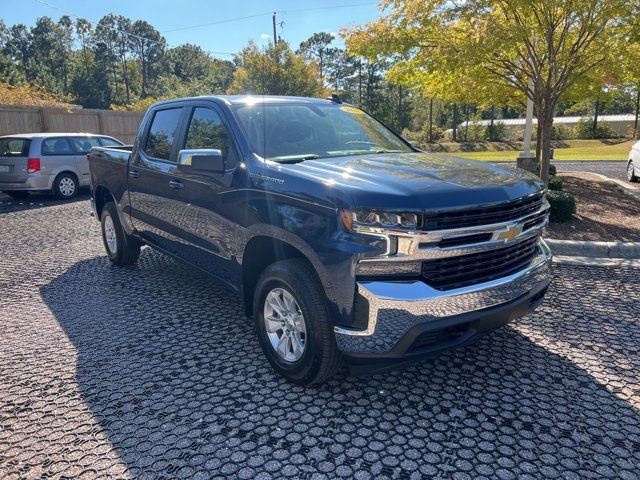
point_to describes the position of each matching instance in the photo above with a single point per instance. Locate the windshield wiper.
(295, 158)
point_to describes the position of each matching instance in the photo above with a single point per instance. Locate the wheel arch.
(261, 251)
(101, 195)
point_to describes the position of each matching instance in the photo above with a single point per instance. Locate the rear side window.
(14, 147)
(83, 145)
(56, 146)
(109, 142)
(164, 127)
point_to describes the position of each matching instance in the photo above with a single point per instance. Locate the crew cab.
(343, 241)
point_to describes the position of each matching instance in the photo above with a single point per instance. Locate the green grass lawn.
(576, 150)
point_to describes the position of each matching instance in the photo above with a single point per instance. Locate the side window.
(56, 146)
(164, 127)
(206, 130)
(82, 145)
(109, 142)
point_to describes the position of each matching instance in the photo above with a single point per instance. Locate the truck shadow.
(36, 200)
(170, 368)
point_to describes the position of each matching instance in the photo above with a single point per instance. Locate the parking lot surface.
(613, 169)
(154, 372)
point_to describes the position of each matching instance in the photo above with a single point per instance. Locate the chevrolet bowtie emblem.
(509, 233)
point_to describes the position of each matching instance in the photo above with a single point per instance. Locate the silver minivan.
(55, 162)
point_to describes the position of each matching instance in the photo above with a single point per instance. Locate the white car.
(633, 167)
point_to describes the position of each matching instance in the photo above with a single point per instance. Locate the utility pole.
(275, 36)
(527, 159)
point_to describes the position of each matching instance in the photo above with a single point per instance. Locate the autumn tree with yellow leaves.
(490, 51)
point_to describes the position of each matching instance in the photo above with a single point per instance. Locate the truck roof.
(253, 99)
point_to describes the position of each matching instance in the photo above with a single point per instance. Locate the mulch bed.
(604, 213)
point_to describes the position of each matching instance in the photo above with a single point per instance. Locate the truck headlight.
(374, 222)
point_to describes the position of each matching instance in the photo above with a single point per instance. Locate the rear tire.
(18, 194)
(65, 186)
(122, 249)
(631, 173)
(319, 357)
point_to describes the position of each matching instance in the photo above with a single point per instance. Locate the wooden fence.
(121, 125)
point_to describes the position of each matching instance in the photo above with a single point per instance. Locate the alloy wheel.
(110, 235)
(284, 324)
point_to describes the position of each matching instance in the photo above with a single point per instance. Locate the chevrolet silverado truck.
(343, 241)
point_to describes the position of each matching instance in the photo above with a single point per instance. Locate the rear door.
(153, 210)
(82, 146)
(13, 159)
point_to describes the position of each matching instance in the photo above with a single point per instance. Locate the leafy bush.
(499, 132)
(555, 183)
(584, 130)
(553, 171)
(421, 137)
(563, 206)
(563, 132)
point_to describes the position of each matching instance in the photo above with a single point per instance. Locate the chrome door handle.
(134, 173)
(176, 184)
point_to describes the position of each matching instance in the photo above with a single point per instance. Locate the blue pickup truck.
(343, 241)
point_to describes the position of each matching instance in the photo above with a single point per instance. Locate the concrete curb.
(575, 248)
(598, 262)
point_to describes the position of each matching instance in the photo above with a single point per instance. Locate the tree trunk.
(545, 127)
(595, 118)
(125, 78)
(493, 116)
(467, 109)
(431, 120)
(454, 123)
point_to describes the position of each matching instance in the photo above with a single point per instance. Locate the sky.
(299, 18)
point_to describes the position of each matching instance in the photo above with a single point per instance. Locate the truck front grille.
(474, 268)
(483, 215)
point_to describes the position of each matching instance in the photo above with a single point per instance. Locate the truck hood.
(417, 180)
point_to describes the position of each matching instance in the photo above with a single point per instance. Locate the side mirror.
(204, 161)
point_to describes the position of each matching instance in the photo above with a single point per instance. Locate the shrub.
(553, 171)
(563, 132)
(499, 131)
(563, 206)
(584, 130)
(555, 183)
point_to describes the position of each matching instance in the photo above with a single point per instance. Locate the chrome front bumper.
(396, 307)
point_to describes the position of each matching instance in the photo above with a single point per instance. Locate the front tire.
(122, 249)
(65, 186)
(293, 325)
(631, 174)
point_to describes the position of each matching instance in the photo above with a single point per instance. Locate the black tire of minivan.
(18, 194)
(127, 248)
(66, 186)
(321, 357)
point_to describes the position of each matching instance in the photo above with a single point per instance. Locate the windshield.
(296, 132)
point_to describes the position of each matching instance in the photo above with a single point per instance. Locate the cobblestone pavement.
(153, 371)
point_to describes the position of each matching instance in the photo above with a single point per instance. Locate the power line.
(128, 34)
(218, 22)
(264, 14)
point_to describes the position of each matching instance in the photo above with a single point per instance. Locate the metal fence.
(121, 125)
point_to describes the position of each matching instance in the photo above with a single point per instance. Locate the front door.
(205, 222)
